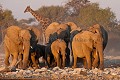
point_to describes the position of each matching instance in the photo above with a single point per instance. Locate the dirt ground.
(112, 64)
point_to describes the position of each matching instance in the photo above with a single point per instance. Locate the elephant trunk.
(26, 54)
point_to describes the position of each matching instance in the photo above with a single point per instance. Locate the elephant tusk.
(23, 47)
(31, 47)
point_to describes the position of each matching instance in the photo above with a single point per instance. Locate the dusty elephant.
(34, 38)
(16, 42)
(35, 53)
(58, 48)
(54, 27)
(83, 44)
(101, 31)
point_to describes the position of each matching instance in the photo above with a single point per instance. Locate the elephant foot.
(101, 67)
(89, 68)
(73, 67)
(13, 69)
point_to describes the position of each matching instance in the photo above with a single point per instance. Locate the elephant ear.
(36, 31)
(24, 35)
(13, 33)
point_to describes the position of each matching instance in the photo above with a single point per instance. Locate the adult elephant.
(54, 27)
(83, 44)
(16, 42)
(101, 31)
(58, 48)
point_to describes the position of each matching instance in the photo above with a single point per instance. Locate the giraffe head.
(27, 9)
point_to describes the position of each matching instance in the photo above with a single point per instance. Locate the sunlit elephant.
(83, 44)
(100, 30)
(54, 27)
(34, 38)
(58, 48)
(17, 42)
(73, 33)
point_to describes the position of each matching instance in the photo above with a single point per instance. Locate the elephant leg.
(58, 60)
(63, 63)
(75, 61)
(85, 63)
(25, 60)
(88, 58)
(48, 61)
(101, 56)
(33, 60)
(14, 61)
(7, 55)
(96, 59)
(20, 58)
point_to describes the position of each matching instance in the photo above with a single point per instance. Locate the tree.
(6, 19)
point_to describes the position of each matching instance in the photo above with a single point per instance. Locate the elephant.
(35, 53)
(100, 30)
(60, 31)
(54, 27)
(16, 43)
(35, 34)
(58, 48)
(73, 33)
(83, 44)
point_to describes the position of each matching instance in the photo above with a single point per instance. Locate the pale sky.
(18, 6)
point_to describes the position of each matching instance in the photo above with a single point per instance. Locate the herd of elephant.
(62, 41)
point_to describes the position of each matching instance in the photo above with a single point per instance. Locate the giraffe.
(45, 22)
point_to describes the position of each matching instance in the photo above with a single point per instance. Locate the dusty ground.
(111, 72)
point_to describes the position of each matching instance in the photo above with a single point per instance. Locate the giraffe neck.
(38, 17)
(44, 21)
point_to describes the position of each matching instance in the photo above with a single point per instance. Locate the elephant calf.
(58, 48)
(35, 53)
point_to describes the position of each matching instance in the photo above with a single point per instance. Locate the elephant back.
(53, 27)
(63, 26)
(84, 37)
(13, 33)
(74, 32)
(72, 25)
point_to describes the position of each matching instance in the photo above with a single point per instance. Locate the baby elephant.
(58, 48)
(35, 53)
